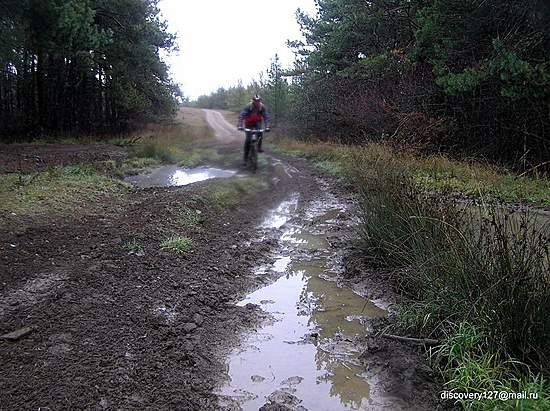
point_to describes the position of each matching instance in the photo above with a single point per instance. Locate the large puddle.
(167, 176)
(308, 354)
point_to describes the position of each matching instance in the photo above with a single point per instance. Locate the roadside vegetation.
(475, 276)
(462, 179)
(134, 247)
(58, 189)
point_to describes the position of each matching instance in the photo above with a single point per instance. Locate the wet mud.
(307, 354)
(267, 310)
(15, 158)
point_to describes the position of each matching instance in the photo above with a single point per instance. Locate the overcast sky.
(222, 41)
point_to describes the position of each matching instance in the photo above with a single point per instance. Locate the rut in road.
(307, 353)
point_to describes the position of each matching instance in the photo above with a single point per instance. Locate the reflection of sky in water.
(303, 303)
(278, 217)
(280, 264)
(184, 177)
(175, 176)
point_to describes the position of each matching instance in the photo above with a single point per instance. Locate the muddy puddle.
(307, 355)
(172, 175)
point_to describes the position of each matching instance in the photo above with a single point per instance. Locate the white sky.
(222, 41)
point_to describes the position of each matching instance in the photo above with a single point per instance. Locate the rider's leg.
(247, 145)
(260, 139)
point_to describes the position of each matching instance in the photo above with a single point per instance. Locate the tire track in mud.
(312, 351)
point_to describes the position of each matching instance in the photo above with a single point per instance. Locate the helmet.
(256, 97)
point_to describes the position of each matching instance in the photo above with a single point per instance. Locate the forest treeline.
(82, 66)
(463, 76)
(272, 86)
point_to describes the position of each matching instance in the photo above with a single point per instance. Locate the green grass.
(176, 244)
(433, 173)
(482, 267)
(469, 365)
(480, 182)
(182, 155)
(136, 165)
(331, 167)
(263, 162)
(59, 189)
(190, 218)
(134, 247)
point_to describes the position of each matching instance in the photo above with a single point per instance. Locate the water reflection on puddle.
(307, 357)
(172, 175)
(307, 353)
(282, 214)
(305, 240)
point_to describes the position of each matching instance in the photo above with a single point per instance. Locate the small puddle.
(169, 176)
(308, 351)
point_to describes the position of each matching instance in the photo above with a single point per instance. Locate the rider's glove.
(267, 129)
(241, 128)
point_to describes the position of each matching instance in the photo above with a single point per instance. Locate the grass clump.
(176, 244)
(470, 365)
(134, 247)
(191, 218)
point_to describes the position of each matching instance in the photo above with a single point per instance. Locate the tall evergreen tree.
(276, 91)
(84, 66)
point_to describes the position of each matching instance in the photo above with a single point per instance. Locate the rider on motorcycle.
(252, 116)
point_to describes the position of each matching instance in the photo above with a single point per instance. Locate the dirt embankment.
(31, 157)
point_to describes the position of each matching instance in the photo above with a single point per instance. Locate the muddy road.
(271, 308)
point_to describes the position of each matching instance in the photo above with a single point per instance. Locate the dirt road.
(225, 132)
(112, 329)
